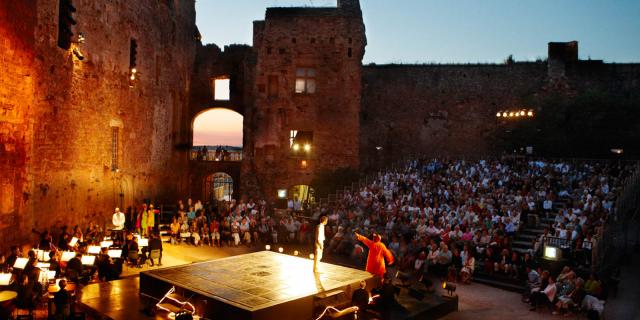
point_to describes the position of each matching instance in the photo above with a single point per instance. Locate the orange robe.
(377, 253)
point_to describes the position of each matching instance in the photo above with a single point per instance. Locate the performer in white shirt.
(118, 220)
(319, 246)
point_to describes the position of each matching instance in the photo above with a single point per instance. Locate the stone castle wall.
(56, 130)
(450, 110)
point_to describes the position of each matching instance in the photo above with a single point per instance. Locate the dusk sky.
(460, 31)
(218, 127)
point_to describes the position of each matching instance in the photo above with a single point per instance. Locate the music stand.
(43, 265)
(73, 242)
(143, 242)
(106, 243)
(67, 255)
(115, 253)
(93, 249)
(20, 263)
(5, 278)
(88, 260)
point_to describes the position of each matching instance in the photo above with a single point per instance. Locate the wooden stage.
(256, 286)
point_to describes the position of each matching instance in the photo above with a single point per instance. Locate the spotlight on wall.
(307, 147)
(295, 252)
(449, 287)
(78, 53)
(296, 147)
(267, 247)
(280, 250)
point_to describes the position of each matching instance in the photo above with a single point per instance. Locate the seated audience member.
(468, 268)
(546, 296)
(175, 230)
(214, 228)
(195, 235)
(593, 286)
(155, 244)
(62, 301)
(360, 299)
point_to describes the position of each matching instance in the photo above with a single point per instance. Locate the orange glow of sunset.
(218, 127)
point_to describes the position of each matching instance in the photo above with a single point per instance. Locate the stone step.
(521, 250)
(499, 282)
(520, 243)
(528, 236)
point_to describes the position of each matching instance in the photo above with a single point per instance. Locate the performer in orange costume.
(377, 253)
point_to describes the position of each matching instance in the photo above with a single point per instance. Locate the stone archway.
(217, 135)
(218, 186)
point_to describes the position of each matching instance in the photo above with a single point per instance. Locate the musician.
(118, 220)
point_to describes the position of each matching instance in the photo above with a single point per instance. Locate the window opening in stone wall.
(158, 70)
(300, 142)
(299, 195)
(133, 54)
(305, 80)
(272, 86)
(115, 131)
(217, 135)
(221, 89)
(65, 23)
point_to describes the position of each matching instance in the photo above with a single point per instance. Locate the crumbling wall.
(64, 109)
(330, 41)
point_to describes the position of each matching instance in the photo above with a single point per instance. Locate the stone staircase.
(524, 240)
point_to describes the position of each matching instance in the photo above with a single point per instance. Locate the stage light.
(296, 147)
(311, 256)
(530, 113)
(378, 148)
(504, 114)
(449, 287)
(307, 147)
(510, 114)
(295, 253)
(280, 250)
(267, 247)
(134, 70)
(498, 114)
(617, 150)
(282, 193)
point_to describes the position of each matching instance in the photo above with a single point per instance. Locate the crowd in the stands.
(452, 217)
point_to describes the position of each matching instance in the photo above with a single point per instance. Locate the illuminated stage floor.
(253, 286)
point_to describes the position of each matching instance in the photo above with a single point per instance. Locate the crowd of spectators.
(451, 218)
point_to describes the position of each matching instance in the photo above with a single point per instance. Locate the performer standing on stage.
(377, 253)
(319, 245)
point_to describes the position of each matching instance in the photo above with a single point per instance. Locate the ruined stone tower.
(307, 93)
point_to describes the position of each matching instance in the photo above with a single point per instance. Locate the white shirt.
(321, 233)
(118, 220)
